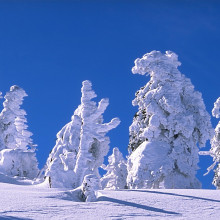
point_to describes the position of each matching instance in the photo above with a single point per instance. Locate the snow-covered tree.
(13, 121)
(215, 147)
(2, 145)
(116, 175)
(81, 144)
(18, 157)
(170, 125)
(94, 144)
(89, 187)
(16, 162)
(62, 160)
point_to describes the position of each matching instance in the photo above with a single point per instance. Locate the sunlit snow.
(38, 202)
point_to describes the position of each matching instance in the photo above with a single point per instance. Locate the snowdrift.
(39, 202)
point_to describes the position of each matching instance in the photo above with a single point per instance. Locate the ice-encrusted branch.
(216, 109)
(109, 126)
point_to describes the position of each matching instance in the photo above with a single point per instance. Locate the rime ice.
(170, 123)
(215, 146)
(81, 144)
(116, 175)
(17, 155)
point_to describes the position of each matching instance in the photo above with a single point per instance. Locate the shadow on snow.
(13, 218)
(172, 194)
(3, 216)
(135, 205)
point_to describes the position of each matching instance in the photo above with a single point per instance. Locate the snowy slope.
(37, 202)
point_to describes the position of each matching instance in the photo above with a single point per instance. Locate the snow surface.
(21, 200)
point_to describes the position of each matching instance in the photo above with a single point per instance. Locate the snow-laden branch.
(103, 128)
(216, 109)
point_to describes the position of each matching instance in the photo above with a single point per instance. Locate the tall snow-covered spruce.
(81, 144)
(116, 175)
(18, 156)
(170, 125)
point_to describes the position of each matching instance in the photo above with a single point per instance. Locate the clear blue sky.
(49, 47)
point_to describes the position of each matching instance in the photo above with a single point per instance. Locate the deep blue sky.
(49, 47)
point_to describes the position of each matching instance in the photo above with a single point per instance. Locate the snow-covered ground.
(36, 202)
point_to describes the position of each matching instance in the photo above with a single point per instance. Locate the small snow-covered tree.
(94, 144)
(116, 175)
(215, 147)
(89, 187)
(61, 162)
(215, 150)
(170, 125)
(81, 144)
(18, 158)
(2, 146)
(16, 162)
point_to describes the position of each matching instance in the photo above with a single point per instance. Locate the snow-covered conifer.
(61, 162)
(170, 125)
(215, 150)
(16, 162)
(18, 158)
(13, 121)
(81, 144)
(215, 147)
(116, 175)
(94, 144)
(2, 146)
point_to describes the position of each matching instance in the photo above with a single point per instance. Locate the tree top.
(155, 61)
